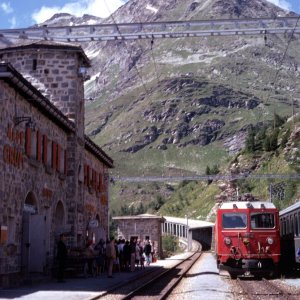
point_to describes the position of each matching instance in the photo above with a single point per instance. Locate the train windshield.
(234, 220)
(262, 220)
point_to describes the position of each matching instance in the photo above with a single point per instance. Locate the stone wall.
(143, 228)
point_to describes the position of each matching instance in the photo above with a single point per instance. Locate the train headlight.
(227, 240)
(270, 241)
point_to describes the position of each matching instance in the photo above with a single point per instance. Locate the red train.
(247, 238)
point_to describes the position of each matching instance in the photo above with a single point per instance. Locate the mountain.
(181, 103)
(178, 106)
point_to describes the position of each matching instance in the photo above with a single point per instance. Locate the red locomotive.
(247, 238)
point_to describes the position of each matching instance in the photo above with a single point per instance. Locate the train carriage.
(247, 238)
(290, 237)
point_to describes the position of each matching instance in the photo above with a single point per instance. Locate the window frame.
(234, 214)
(263, 213)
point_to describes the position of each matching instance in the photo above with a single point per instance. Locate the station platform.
(82, 288)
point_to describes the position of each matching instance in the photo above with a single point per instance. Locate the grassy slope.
(197, 199)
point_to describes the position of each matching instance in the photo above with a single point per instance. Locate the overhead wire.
(154, 60)
(152, 53)
(281, 63)
(129, 52)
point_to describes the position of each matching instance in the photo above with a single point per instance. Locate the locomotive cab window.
(234, 220)
(262, 220)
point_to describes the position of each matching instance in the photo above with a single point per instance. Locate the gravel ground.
(203, 282)
(290, 285)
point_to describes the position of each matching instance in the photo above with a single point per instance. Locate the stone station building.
(53, 178)
(142, 227)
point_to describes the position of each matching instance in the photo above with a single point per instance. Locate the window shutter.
(54, 155)
(45, 149)
(28, 142)
(39, 146)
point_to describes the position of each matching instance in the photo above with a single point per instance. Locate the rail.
(263, 289)
(151, 278)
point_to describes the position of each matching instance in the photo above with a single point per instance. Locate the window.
(45, 150)
(262, 220)
(34, 144)
(234, 220)
(34, 64)
(296, 225)
(54, 156)
(283, 227)
(39, 146)
(291, 224)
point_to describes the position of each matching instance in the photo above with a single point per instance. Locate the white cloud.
(98, 8)
(282, 3)
(5, 6)
(13, 22)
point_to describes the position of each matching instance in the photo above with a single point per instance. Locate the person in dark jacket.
(147, 251)
(62, 255)
(126, 255)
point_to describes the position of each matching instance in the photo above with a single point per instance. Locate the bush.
(170, 244)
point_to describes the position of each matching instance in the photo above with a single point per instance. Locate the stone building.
(53, 178)
(142, 227)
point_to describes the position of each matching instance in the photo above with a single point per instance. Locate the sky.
(24, 13)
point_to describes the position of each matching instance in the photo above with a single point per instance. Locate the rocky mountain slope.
(174, 101)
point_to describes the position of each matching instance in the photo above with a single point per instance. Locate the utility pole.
(270, 191)
(188, 233)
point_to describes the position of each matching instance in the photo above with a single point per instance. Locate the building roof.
(140, 217)
(12, 77)
(97, 151)
(42, 44)
(289, 209)
(245, 204)
(193, 224)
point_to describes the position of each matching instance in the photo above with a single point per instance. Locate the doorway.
(33, 237)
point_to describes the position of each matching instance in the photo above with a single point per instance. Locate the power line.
(129, 52)
(295, 176)
(281, 63)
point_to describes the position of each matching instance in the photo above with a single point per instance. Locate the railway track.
(264, 289)
(162, 285)
(156, 284)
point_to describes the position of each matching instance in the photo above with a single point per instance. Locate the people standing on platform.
(100, 256)
(121, 243)
(132, 247)
(110, 256)
(117, 259)
(142, 256)
(147, 251)
(62, 256)
(126, 256)
(137, 254)
(89, 252)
